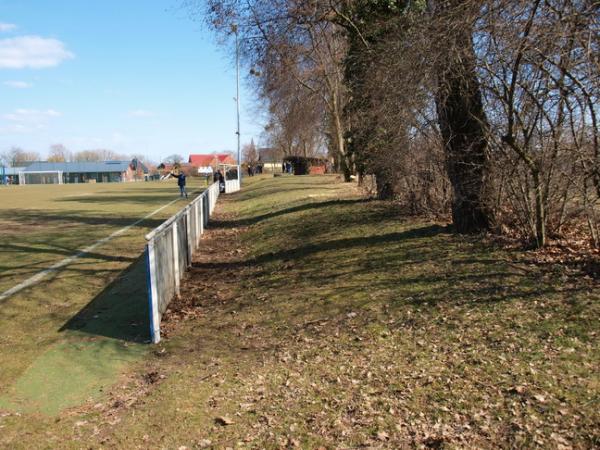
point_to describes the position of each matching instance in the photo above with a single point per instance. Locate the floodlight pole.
(237, 97)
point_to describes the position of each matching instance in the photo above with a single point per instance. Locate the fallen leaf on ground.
(223, 421)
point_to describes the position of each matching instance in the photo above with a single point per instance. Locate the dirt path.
(218, 269)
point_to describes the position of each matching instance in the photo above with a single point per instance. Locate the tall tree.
(462, 119)
(249, 153)
(293, 39)
(59, 153)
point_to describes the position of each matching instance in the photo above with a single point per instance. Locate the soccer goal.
(41, 177)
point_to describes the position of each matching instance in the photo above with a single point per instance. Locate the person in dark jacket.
(181, 183)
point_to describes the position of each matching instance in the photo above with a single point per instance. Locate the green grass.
(94, 309)
(43, 224)
(327, 320)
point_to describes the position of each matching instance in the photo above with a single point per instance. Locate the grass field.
(58, 344)
(316, 319)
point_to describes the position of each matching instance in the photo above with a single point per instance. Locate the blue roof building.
(44, 172)
(79, 167)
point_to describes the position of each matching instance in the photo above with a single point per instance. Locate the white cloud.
(31, 115)
(141, 113)
(5, 27)
(18, 84)
(19, 128)
(32, 52)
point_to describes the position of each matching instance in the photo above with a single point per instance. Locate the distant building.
(208, 163)
(270, 158)
(44, 172)
(10, 175)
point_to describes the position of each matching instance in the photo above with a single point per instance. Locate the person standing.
(181, 183)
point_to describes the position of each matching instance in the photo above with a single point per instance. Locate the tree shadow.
(299, 208)
(112, 199)
(68, 217)
(332, 245)
(120, 311)
(259, 191)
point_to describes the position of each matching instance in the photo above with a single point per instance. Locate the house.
(208, 163)
(270, 158)
(44, 172)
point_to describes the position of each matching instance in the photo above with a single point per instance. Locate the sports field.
(57, 329)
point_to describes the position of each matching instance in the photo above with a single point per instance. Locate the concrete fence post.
(176, 258)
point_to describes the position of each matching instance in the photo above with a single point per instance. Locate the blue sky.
(133, 76)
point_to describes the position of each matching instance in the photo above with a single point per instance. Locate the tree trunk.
(540, 211)
(345, 165)
(385, 185)
(463, 125)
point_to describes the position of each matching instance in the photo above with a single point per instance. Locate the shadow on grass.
(299, 208)
(120, 311)
(30, 268)
(333, 245)
(260, 191)
(67, 217)
(112, 199)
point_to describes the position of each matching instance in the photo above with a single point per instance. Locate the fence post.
(197, 222)
(190, 243)
(152, 292)
(176, 258)
(201, 214)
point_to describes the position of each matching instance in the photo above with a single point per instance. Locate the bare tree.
(296, 39)
(485, 108)
(249, 153)
(296, 116)
(16, 156)
(59, 153)
(174, 159)
(98, 155)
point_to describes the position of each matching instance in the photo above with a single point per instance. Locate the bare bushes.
(537, 62)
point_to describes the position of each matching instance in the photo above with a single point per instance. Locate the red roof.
(225, 158)
(210, 160)
(202, 160)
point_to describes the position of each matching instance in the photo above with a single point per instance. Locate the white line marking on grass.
(35, 279)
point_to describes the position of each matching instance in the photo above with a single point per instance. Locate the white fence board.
(169, 252)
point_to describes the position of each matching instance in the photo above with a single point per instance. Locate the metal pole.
(237, 98)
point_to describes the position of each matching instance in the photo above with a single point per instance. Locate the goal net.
(49, 177)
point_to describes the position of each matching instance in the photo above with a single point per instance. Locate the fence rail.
(232, 186)
(169, 252)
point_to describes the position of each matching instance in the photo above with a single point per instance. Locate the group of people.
(287, 167)
(181, 181)
(255, 170)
